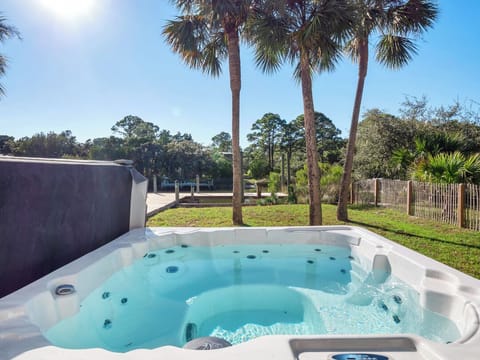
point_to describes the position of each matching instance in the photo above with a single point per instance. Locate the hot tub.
(318, 293)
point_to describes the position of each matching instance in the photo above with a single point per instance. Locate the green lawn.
(455, 247)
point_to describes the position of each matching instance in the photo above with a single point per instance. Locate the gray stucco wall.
(52, 212)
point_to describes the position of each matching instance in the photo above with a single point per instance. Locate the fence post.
(461, 205)
(376, 190)
(155, 183)
(177, 192)
(409, 197)
(197, 181)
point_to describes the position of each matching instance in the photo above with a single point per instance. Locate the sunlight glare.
(69, 9)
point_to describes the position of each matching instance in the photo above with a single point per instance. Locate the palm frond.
(297, 73)
(412, 16)
(195, 41)
(472, 169)
(7, 31)
(211, 55)
(268, 60)
(185, 6)
(395, 51)
(3, 64)
(449, 168)
(352, 48)
(269, 35)
(283, 30)
(312, 27)
(327, 55)
(402, 158)
(397, 21)
(183, 33)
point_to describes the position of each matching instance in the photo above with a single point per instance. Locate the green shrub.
(258, 168)
(331, 176)
(330, 181)
(301, 182)
(292, 197)
(274, 182)
(270, 200)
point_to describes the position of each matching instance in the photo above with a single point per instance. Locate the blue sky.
(87, 71)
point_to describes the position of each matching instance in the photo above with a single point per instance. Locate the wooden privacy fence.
(456, 204)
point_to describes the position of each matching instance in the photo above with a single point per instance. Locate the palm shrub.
(472, 169)
(438, 147)
(402, 159)
(450, 168)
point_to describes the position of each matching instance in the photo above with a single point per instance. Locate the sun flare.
(69, 9)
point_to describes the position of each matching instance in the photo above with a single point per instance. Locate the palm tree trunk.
(342, 212)
(235, 86)
(315, 208)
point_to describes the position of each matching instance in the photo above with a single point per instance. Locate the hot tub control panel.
(358, 356)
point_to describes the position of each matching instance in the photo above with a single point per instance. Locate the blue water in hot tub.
(240, 292)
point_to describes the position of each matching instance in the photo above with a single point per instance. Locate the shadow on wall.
(54, 211)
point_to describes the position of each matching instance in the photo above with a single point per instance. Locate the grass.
(458, 248)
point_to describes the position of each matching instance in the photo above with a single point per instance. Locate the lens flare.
(69, 9)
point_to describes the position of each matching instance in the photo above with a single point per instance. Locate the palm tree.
(207, 32)
(6, 31)
(395, 21)
(309, 34)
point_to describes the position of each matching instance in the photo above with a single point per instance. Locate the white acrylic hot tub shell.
(442, 289)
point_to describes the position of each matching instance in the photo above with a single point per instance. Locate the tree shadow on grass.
(401, 232)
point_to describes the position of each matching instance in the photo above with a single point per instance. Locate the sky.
(83, 65)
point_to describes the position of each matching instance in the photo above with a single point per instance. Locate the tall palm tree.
(309, 34)
(207, 32)
(6, 31)
(394, 21)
